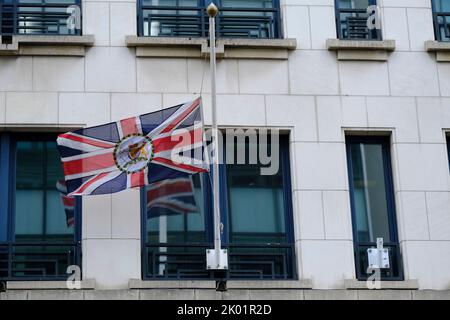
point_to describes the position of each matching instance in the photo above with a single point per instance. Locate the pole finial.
(212, 10)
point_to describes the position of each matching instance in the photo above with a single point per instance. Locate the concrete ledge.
(442, 50)
(275, 284)
(35, 45)
(88, 284)
(353, 284)
(165, 47)
(40, 127)
(233, 294)
(171, 284)
(208, 284)
(358, 50)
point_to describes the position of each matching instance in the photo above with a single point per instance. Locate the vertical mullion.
(44, 189)
(287, 197)
(4, 185)
(144, 255)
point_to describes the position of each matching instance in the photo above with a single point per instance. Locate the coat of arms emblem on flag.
(134, 152)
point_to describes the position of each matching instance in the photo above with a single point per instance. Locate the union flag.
(134, 152)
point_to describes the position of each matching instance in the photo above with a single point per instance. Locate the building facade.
(358, 89)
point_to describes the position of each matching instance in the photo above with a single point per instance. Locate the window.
(40, 229)
(372, 202)
(187, 18)
(441, 16)
(257, 223)
(448, 148)
(351, 20)
(36, 17)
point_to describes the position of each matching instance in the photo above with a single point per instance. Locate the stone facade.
(312, 94)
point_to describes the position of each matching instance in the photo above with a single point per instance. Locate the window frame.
(15, 27)
(201, 6)
(8, 146)
(437, 34)
(447, 138)
(208, 202)
(339, 35)
(385, 142)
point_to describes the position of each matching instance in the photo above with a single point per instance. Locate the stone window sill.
(442, 50)
(233, 48)
(88, 284)
(208, 284)
(360, 50)
(353, 284)
(55, 45)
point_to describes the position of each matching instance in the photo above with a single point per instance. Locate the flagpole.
(215, 259)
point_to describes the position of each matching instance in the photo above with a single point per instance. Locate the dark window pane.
(354, 4)
(255, 202)
(448, 149)
(39, 208)
(176, 214)
(442, 19)
(369, 192)
(352, 20)
(187, 18)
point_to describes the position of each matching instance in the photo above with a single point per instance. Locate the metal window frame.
(436, 14)
(390, 198)
(15, 27)
(288, 212)
(448, 148)
(337, 9)
(8, 147)
(201, 6)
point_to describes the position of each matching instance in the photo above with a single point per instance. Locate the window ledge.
(208, 284)
(361, 50)
(35, 45)
(88, 284)
(442, 50)
(353, 284)
(231, 48)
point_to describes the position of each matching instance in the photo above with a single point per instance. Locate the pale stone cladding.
(312, 94)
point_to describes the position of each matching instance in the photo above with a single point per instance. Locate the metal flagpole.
(216, 259)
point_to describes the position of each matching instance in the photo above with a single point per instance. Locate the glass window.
(441, 15)
(43, 230)
(39, 209)
(351, 20)
(448, 149)
(37, 17)
(256, 215)
(187, 18)
(372, 197)
(256, 203)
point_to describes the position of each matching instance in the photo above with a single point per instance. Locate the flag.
(68, 202)
(134, 152)
(171, 196)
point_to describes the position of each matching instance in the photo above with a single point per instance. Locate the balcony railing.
(192, 21)
(442, 25)
(395, 270)
(246, 261)
(45, 17)
(352, 25)
(37, 260)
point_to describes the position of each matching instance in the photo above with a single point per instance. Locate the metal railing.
(246, 261)
(36, 260)
(352, 25)
(192, 21)
(31, 17)
(442, 25)
(395, 270)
